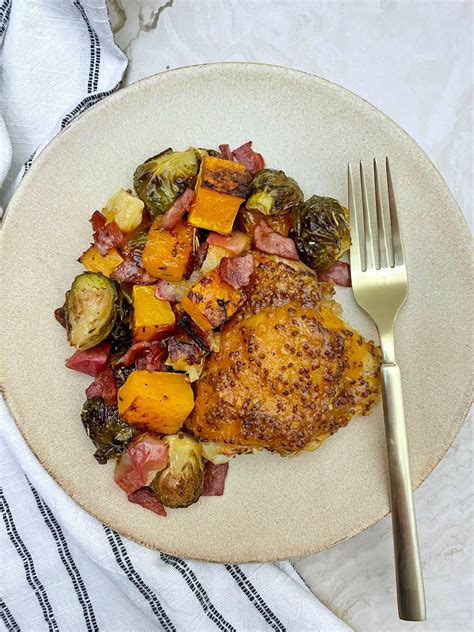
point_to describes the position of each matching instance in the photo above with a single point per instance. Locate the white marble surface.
(413, 60)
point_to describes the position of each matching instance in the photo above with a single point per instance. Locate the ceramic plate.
(273, 508)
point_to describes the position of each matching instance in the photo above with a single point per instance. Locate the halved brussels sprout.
(90, 310)
(106, 430)
(180, 483)
(272, 192)
(321, 231)
(162, 178)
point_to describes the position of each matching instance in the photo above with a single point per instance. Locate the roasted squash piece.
(93, 261)
(167, 252)
(221, 188)
(153, 318)
(212, 301)
(155, 401)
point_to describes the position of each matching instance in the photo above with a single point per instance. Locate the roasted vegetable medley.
(170, 264)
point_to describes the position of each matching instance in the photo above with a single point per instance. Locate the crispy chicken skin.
(290, 371)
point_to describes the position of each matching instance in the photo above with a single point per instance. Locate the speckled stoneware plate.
(273, 508)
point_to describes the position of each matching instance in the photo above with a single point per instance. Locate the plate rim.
(462, 410)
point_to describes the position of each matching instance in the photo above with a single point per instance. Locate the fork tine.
(369, 241)
(383, 248)
(356, 266)
(398, 256)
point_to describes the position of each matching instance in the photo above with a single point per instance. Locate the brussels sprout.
(180, 484)
(106, 430)
(272, 192)
(90, 310)
(162, 178)
(321, 231)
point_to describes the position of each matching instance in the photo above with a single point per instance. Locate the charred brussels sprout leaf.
(209, 152)
(162, 178)
(121, 373)
(272, 192)
(90, 310)
(321, 231)
(121, 334)
(138, 241)
(106, 430)
(180, 484)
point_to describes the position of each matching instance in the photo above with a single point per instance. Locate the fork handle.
(410, 590)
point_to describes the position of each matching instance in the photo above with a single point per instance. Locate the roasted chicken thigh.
(290, 371)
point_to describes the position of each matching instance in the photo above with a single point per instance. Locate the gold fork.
(379, 282)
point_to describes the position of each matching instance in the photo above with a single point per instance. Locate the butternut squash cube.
(153, 318)
(156, 401)
(93, 261)
(212, 301)
(167, 252)
(221, 187)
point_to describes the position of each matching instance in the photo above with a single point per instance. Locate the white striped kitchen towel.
(60, 569)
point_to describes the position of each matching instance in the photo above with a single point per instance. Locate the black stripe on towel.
(67, 560)
(196, 587)
(30, 571)
(28, 163)
(86, 103)
(123, 560)
(93, 81)
(7, 618)
(5, 15)
(253, 596)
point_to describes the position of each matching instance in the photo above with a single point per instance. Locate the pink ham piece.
(176, 211)
(214, 479)
(237, 242)
(143, 458)
(244, 154)
(272, 243)
(236, 271)
(131, 272)
(145, 355)
(250, 159)
(147, 499)
(226, 152)
(106, 236)
(339, 272)
(92, 361)
(104, 386)
(152, 361)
